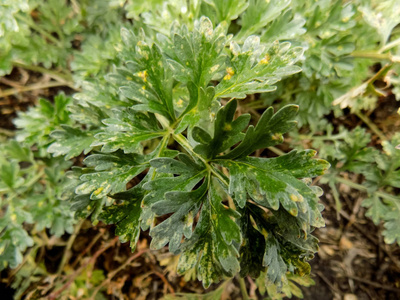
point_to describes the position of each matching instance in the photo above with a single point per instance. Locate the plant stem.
(256, 104)
(67, 77)
(35, 178)
(71, 240)
(185, 144)
(276, 151)
(219, 176)
(370, 54)
(371, 125)
(357, 91)
(37, 28)
(390, 45)
(31, 88)
(339, 136)
(243, 288)
(364, 189)
(376, 55)
(6, 132)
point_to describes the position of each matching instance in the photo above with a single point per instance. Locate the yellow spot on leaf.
(277, 137)
(265, 60)
(190, 218)
(179, 103)
(294, 198)
(227, 77)
(143, 75)
(214, 68)
(227, 127)
(264, 232)
(13, 217)
(98, 191)
(230, 72)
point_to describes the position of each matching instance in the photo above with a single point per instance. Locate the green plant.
(28, 27)
(165, 143)
(348, 152)
(33, 186)
(165, 86)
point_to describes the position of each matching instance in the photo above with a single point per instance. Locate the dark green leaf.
(126, 215)
(71, 142)
(268, 131)
(254, 68)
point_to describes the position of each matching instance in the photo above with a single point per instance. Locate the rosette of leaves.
(333, 32)
(8, 9)
(29, 26)
(32, 191)
(99, 53)
(348, 151)
(383, 205)
(189, 158)
(50, 25)
(39, 121)
(33, 186)
(329, 31)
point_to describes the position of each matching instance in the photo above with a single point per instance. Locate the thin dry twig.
(113, 273)
(333, 289)
(87, 249)
(369, 237)
(67, 251)
(171, 289)
(32, 87)
(72, 277)
(9, 82)
(374, 284)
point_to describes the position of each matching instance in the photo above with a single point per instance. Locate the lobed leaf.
(126, 215)
(71, 142)
(255, 67)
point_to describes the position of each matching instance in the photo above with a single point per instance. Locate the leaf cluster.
(350, 151)
(32, 191)
(166, 145)
(168, 92)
